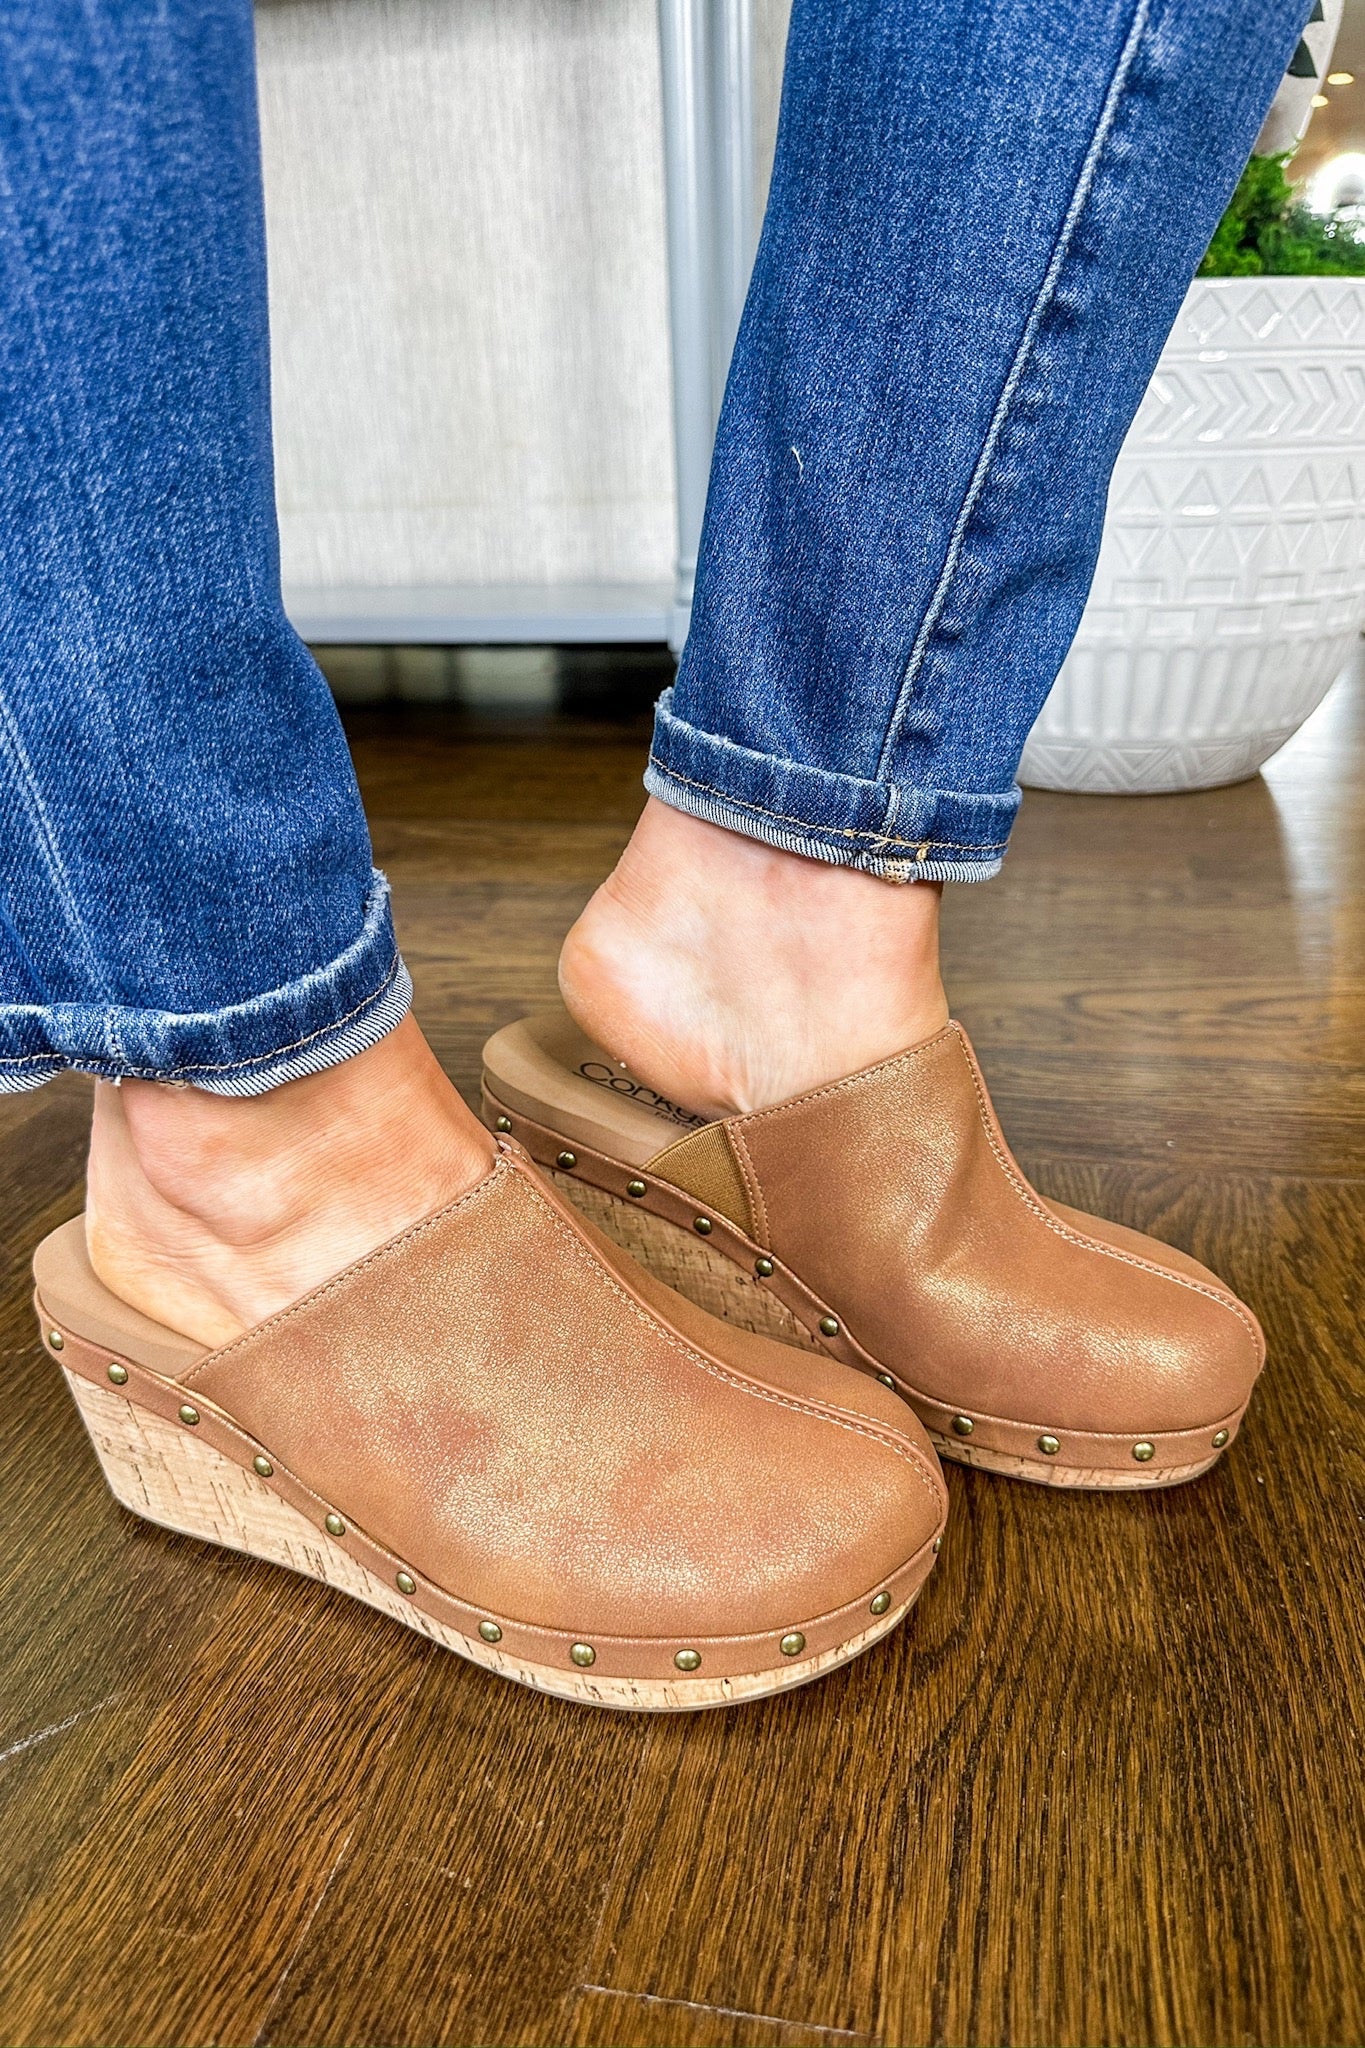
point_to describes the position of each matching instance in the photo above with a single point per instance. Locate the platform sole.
(170, 1475)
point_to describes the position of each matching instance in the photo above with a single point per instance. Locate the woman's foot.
(209, 1213)
(730, 975)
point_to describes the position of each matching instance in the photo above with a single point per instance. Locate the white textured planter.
(1231, 580)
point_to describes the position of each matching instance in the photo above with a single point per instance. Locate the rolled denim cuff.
(901, 834)
(247, 1048)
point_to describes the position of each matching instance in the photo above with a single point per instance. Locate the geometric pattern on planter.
(1230, 585)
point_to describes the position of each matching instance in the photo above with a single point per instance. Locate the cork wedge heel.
(295, 1445)
(883, 1222)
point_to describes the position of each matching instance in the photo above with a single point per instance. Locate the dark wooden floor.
(1105, 1789)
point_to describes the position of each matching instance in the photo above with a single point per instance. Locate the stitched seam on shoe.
(585, 1253)
(1020, 1187)
(329, 1287)
(1094, 1244)
(878, 839)
(757, 1205)
(914, 1052)
(652, 1321)
(283, 1468)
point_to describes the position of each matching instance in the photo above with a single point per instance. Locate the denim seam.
(22, 1059)
(36, 809)
(877, 839)
(71, 469)
(258, 1059)
(1046, 293)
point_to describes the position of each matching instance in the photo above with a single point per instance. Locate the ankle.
(732, 975)
(209, 1213)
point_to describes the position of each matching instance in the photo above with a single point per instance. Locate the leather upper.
(894, 1196)
(502, 1398)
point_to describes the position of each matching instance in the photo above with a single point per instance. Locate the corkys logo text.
(648, 1098)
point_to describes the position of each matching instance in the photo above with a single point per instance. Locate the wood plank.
(467, 1901)
(175, 1914)
(607, 2019)
(1102, 1788)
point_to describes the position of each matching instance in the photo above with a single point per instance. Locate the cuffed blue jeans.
(983, 217)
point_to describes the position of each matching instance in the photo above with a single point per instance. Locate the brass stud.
(583, 1654)
(938, 1545)
(963, 1425)
(263, 1466)
(56, 1340)
(1143, 1451)
(829, 1326)
(334, 1526)
(118, 1373)
(1049, 1446)
(886, 1380)
(503, 1124)
(568, 1160)
(792, 1644)
(688, 1660)
(1220, 1440)
(406, 1583)
(636, 1188)
(880, 1602)
(490, 1631)
(764, 1268)
(189, 1416)
(702, 1226)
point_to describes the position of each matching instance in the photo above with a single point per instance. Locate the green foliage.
(1267, 231)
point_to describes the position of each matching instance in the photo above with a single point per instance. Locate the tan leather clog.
(501, 1432)
(884, 1221)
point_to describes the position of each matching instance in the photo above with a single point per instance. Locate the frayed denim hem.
(900, 835)
(244, 1049)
